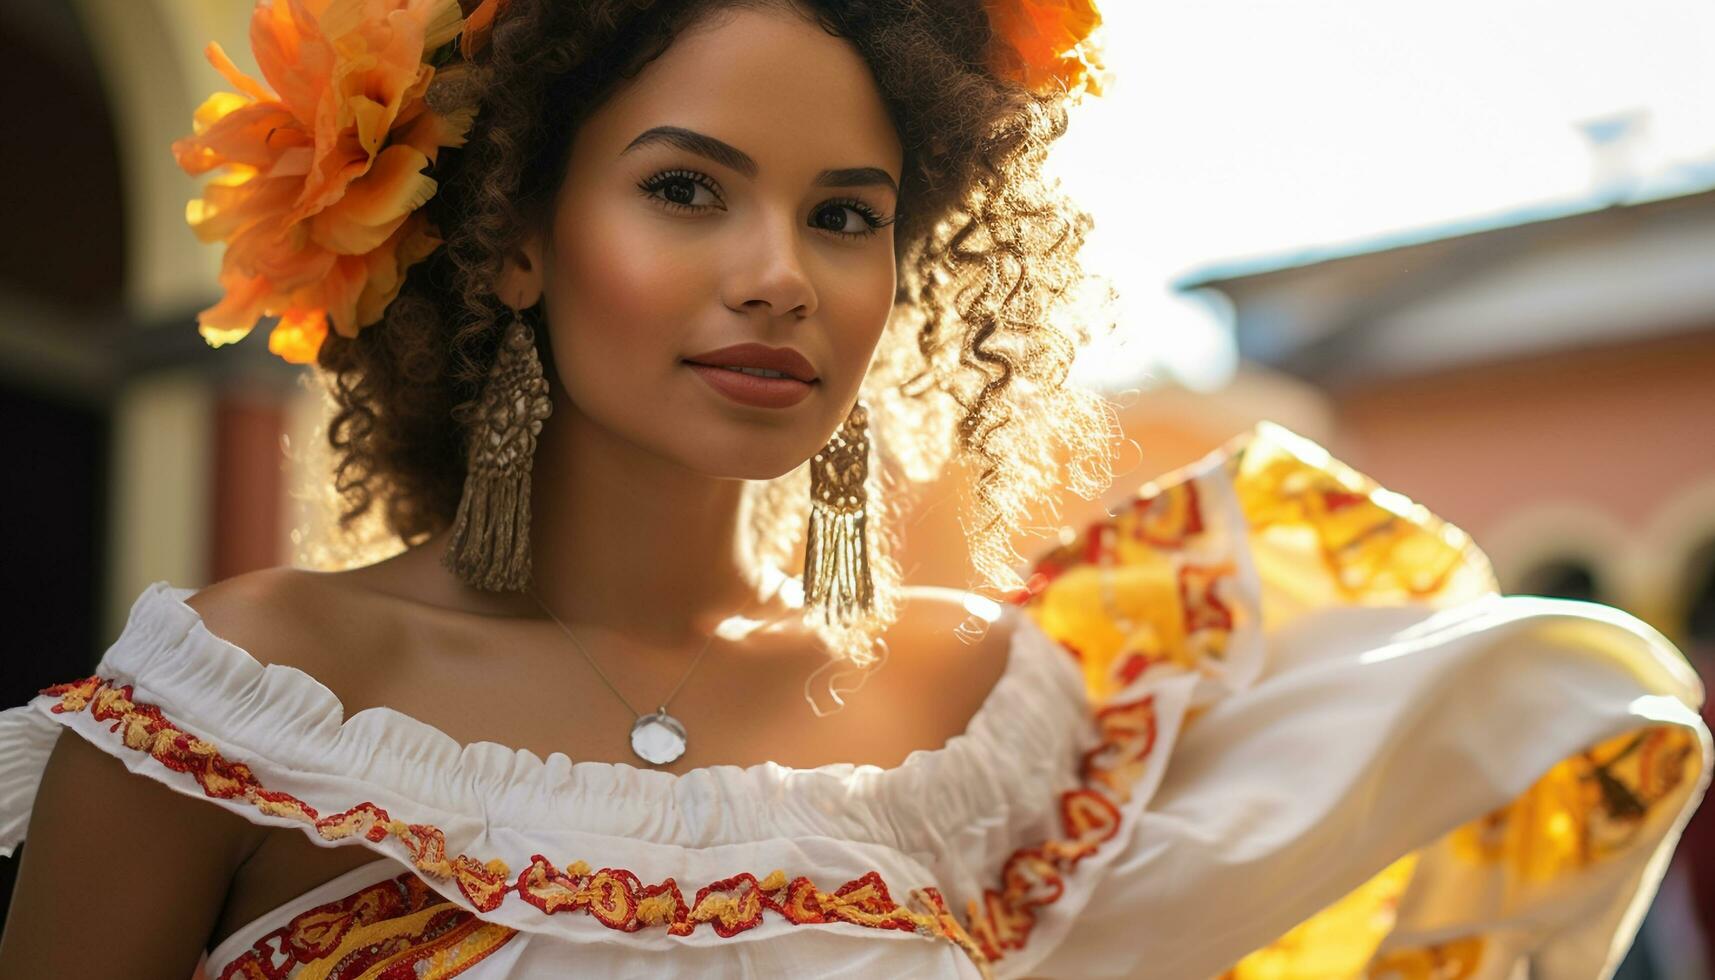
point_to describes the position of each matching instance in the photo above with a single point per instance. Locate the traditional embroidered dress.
(1268, 709)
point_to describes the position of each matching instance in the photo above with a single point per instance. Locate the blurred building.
(143, 454)
(1544, 379)
(135, 453)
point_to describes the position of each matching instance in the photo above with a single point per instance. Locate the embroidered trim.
(1035, 877)
(1032, 877)
(395, 928)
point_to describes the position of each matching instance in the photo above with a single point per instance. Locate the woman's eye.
(678, 189)
(839, 218)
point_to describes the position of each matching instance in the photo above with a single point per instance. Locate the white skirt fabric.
(1268, 720)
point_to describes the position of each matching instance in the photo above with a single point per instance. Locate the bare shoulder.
(90, 812)
(316, 622)
(970, 622)
(948, 649)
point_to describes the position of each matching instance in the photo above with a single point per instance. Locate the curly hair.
(974, 362)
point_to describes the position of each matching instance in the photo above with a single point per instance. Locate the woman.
(649, 256)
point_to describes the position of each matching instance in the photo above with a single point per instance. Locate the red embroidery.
(1035, 877)
(1098, 541)
(1031, 877)
(1170, 517)
(1204, 610)
(433, 937)
(1132, 667)
(1339, 500)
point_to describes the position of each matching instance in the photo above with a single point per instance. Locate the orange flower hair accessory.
(1047, 45)
(478, 25)
(322, 176)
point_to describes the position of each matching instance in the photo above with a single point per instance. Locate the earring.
(836, 551)
(490, 542)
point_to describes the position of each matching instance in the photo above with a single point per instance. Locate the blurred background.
(1468, 247)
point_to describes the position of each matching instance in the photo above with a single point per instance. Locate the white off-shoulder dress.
(1267, 720)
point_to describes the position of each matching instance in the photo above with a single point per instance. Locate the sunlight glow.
(1239, 128)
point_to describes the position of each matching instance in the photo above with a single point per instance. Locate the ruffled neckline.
(1019, 742)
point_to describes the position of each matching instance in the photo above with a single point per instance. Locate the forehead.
(767, 80)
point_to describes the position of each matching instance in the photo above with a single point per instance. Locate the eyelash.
(649, 186)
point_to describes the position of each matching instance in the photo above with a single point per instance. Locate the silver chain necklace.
(657, 738)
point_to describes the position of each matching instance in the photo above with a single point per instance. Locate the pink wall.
(1621, 429)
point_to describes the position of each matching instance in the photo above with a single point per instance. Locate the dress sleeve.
(158, 632)
(1385, 768)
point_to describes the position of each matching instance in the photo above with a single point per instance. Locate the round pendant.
(658, 738)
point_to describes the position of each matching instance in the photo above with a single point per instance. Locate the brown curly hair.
(973, 364)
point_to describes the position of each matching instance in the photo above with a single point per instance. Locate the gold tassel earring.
(836, 550)
(490, 542)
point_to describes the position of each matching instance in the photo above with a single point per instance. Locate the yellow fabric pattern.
(1160, 585)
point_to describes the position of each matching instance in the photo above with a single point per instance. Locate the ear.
(521, 274)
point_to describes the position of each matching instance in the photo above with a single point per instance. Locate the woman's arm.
(120, 875)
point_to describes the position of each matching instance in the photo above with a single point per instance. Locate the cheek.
(610, 313)
(857, 303)
(619, 297)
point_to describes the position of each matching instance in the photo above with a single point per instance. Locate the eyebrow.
(734, 158)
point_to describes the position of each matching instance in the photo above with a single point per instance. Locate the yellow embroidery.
(1586, 808)
(1454, 960)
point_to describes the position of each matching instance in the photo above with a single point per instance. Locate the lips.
(785, 360)
(752, 390)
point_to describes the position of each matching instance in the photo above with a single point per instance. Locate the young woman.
(628, 307)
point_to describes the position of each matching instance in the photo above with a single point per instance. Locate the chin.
(755, 462)
(768, 470)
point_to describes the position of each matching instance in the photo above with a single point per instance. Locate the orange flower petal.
(414, 241)
(215, 108)
(216, 56)
(444, 24)
(225, 209)
(411, 104)
(339, 291)
(433, 132)
(295, 57)
(295, 162)
(375, 85)
(330, 173)
(430, 131)
(319, 188)
(252, 135)
(232, 317)
(1044, 44)
(374, 205)
(478, 27)
(280, 252)
(298, 337)
(372, 120)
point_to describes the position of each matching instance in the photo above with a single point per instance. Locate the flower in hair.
(321, 170)
(478, 25)
(1046, 45)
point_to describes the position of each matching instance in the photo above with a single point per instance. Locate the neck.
(627, 540)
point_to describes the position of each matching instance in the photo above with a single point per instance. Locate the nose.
(769, 271)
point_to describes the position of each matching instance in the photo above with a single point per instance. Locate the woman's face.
(737, 191)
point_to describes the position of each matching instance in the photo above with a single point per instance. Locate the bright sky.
(1237, 128)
